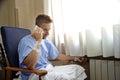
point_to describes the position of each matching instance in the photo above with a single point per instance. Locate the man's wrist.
(36, 49)
(37, 43)
(37, 46)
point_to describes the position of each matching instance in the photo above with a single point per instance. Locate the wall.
(20, 13)
(7, 12)
(26, 11)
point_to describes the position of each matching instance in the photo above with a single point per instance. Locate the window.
(87, 27)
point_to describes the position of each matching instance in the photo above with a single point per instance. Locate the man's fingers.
(78, 59)
(81, 59)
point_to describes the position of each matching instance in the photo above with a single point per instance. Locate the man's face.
(46, 28)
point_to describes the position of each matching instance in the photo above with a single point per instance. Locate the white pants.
(65, 72)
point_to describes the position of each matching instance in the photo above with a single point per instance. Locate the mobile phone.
(36, 26)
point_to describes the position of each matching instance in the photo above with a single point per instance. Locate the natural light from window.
(87, 26)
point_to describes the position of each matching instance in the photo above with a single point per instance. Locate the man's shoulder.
(27, 40)
(25, 37)
(47, 40)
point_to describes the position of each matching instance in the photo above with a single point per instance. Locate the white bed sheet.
(65, 72)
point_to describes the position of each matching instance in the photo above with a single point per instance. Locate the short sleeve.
(24, 48)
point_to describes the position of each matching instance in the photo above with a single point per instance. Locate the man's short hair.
(42, 18)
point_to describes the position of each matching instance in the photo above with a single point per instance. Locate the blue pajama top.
(47, 49)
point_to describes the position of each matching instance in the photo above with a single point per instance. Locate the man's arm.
(64, 57)
(70, 58)
(31, 60)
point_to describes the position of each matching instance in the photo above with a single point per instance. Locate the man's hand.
(38, 34)
(80, 59)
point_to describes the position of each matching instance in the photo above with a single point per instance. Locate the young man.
(34, 50)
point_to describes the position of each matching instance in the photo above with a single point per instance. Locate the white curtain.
(87, 27)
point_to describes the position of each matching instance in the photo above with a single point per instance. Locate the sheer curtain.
(86, 27)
